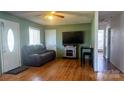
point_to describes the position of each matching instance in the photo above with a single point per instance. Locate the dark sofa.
(36, 55)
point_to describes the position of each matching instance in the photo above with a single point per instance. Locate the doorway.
(104, 49)
(100, 49)
(100, 41)
(50, 39)
(10, 49)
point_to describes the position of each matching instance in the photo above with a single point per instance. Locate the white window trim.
(34, 28)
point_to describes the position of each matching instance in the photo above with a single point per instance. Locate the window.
(34, 36)
(10, 39)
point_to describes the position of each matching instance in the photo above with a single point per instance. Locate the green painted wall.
(24, 26)
(74, 27)
(94, 29)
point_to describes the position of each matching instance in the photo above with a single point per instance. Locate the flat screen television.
(75, 37)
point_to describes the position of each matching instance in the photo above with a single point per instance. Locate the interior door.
(10, 46)
(50, 39)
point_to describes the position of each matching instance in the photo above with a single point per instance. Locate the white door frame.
(1, 43)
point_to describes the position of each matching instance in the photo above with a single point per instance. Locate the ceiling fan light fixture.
(53, 12)
(50, 17)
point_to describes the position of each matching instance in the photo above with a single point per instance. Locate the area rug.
(17, 70)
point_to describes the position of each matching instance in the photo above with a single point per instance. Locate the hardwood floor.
(107, 71)
(62, 70)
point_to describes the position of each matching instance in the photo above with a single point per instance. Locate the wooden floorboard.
(62, 70)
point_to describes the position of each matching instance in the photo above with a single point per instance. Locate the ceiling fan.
(51, 15)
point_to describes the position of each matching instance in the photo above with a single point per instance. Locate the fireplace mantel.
(70, 51)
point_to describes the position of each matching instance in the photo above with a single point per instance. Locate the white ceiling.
(70, 17)
(106, 16)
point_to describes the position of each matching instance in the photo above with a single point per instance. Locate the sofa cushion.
(34, 49)
(37, 59)
(38, 49)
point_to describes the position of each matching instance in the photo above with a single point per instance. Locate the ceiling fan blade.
(47, 14)
(79, 13)
(61, 16)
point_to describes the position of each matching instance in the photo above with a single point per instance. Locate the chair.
(88, 52)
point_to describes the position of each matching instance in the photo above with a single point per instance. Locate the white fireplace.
(70, 51)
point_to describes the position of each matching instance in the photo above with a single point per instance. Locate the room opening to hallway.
(104, 51)
(104, 42)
